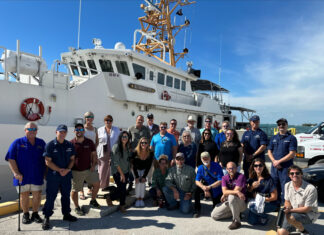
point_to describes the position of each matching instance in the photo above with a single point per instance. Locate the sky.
(272, 51)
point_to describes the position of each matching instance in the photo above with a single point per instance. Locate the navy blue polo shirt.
(252, 140)
(29, 159)
(281, 145)
(60, 154)
(266, 186)
(216, 171)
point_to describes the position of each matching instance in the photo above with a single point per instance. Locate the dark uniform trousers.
(54, 184)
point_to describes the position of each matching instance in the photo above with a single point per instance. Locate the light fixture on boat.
(185, 50)
(187, 22)
(97, 43)
(179, 12)
(120, 46)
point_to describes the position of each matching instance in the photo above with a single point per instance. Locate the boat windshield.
(313, 128)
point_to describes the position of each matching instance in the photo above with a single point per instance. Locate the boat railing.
(5, 64)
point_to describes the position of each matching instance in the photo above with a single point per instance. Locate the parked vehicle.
(311, 151)
(314, 133)
(314, 174)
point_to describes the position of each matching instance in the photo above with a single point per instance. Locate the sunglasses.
(282, 124)
(109, 120)
(125, 137)
(173, 123)
(207, 121)
(226, 126)
(294, 173)
(89, 117)
(179, 158)
(258, 165)
(163, 127)
(230, 169)
(31, 129)
(207, 133)
(79, 129)
(186, 136)
(143, 142)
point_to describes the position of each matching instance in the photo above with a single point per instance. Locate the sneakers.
(70, 218)
(26, 219)
(93, 203)
(46, 224)
(142, 204)
(36, 218)
(137, 203)
(196, 214)
(78, 211)
(234, 225)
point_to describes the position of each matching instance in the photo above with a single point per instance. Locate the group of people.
(177, 166)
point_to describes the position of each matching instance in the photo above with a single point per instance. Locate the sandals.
(82, 197)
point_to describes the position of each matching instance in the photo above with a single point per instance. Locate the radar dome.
(120, 46)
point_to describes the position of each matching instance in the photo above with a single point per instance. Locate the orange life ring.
(32, 109)
(165, 95)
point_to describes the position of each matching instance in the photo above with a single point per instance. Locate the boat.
(123, 82)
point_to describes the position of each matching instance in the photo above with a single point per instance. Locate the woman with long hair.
(230, 150)
(142, 162)
(206, 144)
(188, 148)
(120, 168)
(260, 182)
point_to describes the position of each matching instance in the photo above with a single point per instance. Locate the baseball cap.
(61, 127)
(179, 155)
(254, 118)
(282, 120)
(150, 115)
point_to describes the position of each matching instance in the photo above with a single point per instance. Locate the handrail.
(5, 69)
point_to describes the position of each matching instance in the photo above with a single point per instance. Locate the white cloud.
(288, 71)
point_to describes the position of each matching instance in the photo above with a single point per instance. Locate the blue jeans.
(185, 205)
(255, 218)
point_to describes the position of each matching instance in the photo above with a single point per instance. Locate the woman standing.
(207, 144)
(120, 169)
(142, 162)
(230, 150)
(260, 182)
(108, 134)
(188, 148)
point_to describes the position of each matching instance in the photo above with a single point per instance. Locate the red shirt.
(175, 133)
(83, 154)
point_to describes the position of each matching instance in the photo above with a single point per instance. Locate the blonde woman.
(142, 162)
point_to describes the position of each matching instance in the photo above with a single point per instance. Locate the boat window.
(183, 85)
(151, 75)
(169, 82)
(74, 69)
(139, 71)
(122, 67)
(83, 67)
(161, 78)
(92, 66)
(177, 83)
(106, 66)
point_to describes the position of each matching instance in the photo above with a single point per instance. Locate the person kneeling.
(180, 185)
(208, 180)
(301, 206)
(233, 199)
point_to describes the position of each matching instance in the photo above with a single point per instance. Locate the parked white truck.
(311, 145)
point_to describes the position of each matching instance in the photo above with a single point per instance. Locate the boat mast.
(157, 32)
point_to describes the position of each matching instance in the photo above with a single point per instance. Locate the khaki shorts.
(79, 177)
(29, 188)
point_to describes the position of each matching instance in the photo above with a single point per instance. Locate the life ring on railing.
(32, 109)
(165, 95)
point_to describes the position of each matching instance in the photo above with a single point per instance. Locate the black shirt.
(139, 164)
(229, 152)
(207, 146)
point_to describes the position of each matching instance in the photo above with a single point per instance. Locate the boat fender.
(165, 95)
(27, 111)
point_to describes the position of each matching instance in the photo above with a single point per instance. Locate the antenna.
(220, 67)
(79, 26)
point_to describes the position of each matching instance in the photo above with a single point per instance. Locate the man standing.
(195, 133)
(59, 158)
(26, 161)
(233, 199)
(220, 137)
(208, 126)
(138, 131)
(180, 185)
(164, 143)
(300, 203)
(84, 168)
(154, 129)
(254, 142)
(281, 151)
(173, 129)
